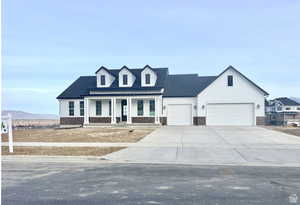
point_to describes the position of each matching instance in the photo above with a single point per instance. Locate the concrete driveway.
(214, 145)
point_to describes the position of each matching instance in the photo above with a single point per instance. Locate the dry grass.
(79, 135)
(288, 130)
(35, 123)
(62, 151)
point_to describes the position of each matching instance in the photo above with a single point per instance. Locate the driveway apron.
(213, 145)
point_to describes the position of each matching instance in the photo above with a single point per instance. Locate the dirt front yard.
(61, 151)
(288, 130)
(80, 135)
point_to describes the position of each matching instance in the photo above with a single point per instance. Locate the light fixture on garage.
(258, 106)
(195, 107)
(203, 106)
(164, 107)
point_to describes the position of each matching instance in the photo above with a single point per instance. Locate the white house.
(152, 95)
(283, 111)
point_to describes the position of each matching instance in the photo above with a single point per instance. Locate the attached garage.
(180, 114)
(230, 114)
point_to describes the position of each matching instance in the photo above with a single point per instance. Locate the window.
(81, 108)
(102, 79)
(109, 108)
(279, 108)
(140, 107)
(298, 108)
(147, 76)
(98, 107)
(230, 80)
(125, 79)
(151, 107)
(287, 108)
(71, 108)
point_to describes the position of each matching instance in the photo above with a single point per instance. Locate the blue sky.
(48, 44)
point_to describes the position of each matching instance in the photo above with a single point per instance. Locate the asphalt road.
(100, 183)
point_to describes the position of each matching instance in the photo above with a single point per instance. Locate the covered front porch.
(122, 109)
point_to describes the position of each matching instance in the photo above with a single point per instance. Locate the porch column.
(113, 112)
(86, 111)
(157, 121)
(129, 111)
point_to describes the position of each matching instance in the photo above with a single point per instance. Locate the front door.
(124, 110)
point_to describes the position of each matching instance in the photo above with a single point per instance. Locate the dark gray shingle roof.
(78, 88)
(186, 85)
(84, 84)
(287, 101)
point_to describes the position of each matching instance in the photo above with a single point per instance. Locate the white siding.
(292, 108)
(109, 79)
(242, 91)
(146, 108)
(64, 108)
(131, 78)
(105, 108)
(153, 77)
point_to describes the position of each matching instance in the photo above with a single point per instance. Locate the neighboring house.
(283, 111)
(152, 95)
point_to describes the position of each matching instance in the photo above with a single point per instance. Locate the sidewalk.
(68, 144)
(145, 144)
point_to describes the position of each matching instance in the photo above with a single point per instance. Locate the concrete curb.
(94, 159)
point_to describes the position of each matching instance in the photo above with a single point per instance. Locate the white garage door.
(179, 114)
(230, 114)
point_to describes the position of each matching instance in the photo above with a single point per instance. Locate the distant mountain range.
(26, 115)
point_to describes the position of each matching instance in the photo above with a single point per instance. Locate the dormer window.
(102, 79)
(147, 79)
(125, 79)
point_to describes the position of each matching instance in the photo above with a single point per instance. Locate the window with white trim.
(98, 107)
(102, 80)
(140, 107)
(147, 79)
(152, 107)
(81, 107)
(109, 108)
(71, 108)
(230, 80)
(125, 79)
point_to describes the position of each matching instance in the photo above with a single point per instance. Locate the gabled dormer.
(148, 77)
(104, 77)
(126, 77)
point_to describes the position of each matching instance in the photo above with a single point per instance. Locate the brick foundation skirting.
(260, 120)
(71, 120)
(143, 120)
(99, 120)
(199, 120)
(163, 120)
